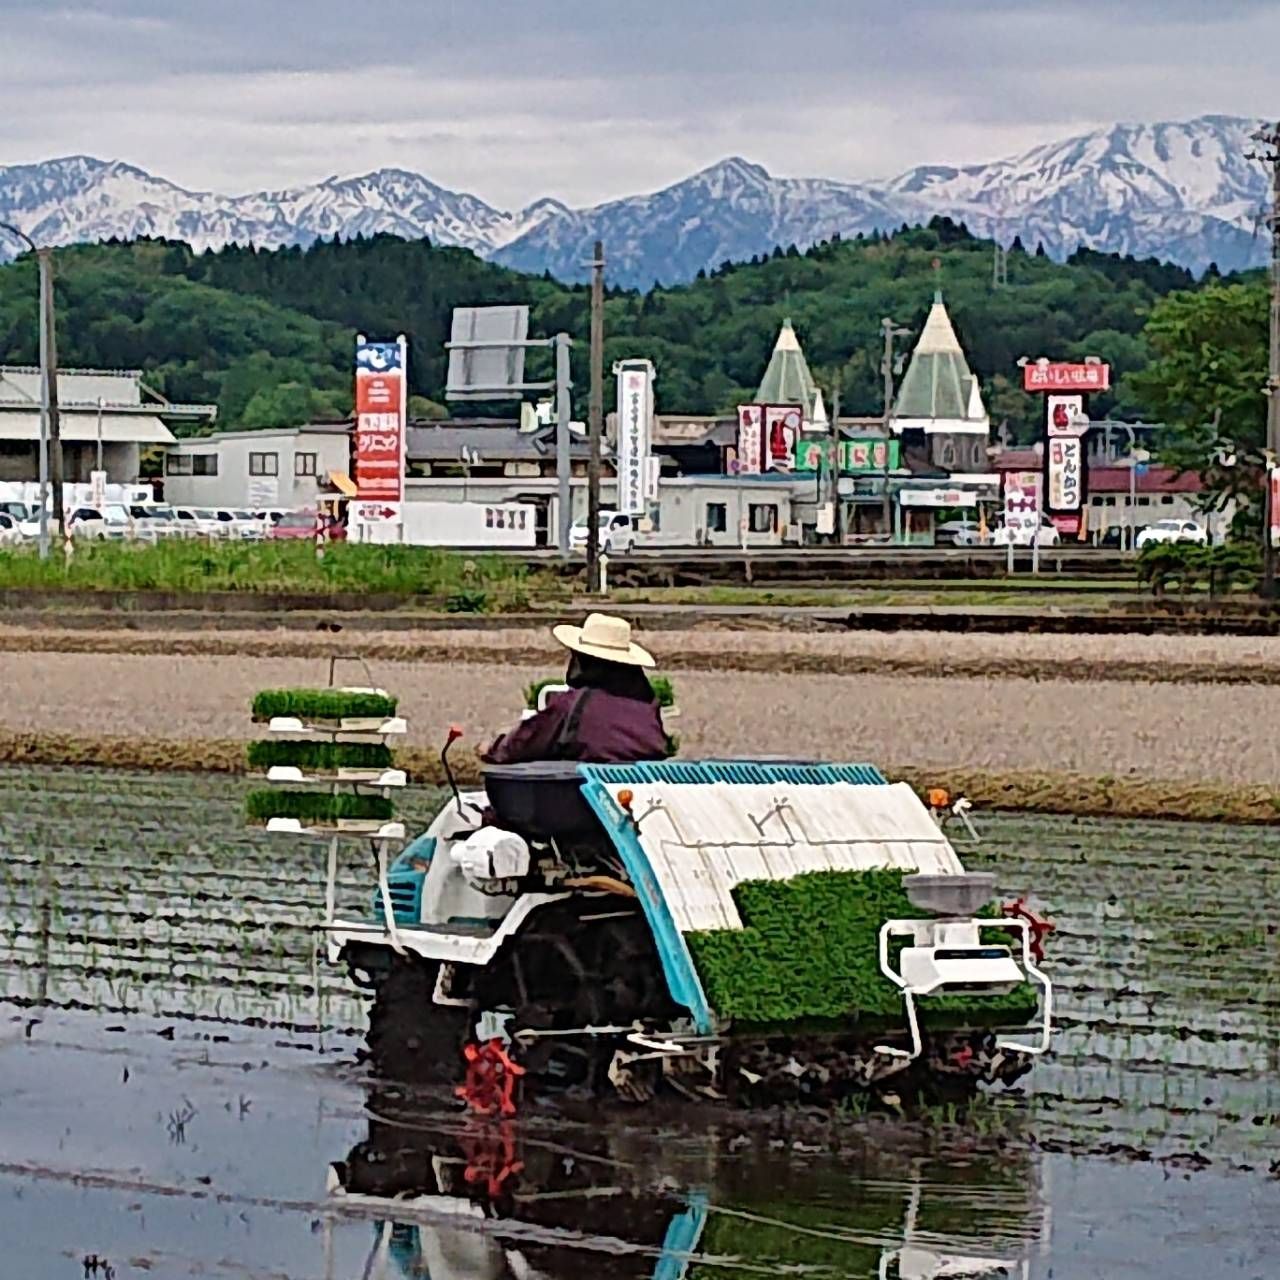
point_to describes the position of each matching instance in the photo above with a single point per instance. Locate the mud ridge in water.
(709, 655)
(1028, 791)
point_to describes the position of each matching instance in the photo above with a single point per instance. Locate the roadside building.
(276, 467)
(107, 413)
(787, 380)
(944, 429)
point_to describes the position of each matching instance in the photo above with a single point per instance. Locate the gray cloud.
(590, 99)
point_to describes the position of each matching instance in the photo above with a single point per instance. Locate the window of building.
(304, 464)
(762, 517)
(178, 464)
(1166, 500)
(204, 464)
(264, 464)
(717, 517)
(1144, 502)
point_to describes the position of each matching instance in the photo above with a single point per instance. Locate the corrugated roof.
(117, 428)
(1148, 480)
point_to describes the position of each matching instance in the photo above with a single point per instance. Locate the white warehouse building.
(275, 467)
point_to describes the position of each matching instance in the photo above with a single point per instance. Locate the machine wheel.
(412, 1039)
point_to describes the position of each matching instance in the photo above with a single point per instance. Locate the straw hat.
(604, 636)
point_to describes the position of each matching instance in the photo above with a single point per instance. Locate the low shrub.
(663, 690)
(312, 807)
(1187, 566)
(319, 757)
(322, 704)
(808, 952)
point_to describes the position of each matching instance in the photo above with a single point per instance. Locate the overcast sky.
(587, 100)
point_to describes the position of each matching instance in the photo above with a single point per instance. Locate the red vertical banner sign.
(1273, 479)
(381, 403)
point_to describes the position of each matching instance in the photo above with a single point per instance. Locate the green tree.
(1205, 381)
(287, 404)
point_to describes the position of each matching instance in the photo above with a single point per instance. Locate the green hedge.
(808, 952)
(319, 757)
(312, 807)
(1187, 566)
(663, 690)
(322, 704)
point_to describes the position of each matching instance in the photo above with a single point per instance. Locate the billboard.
(381, 399)
(1059, 376)
(750, 439)
(1065, 415)
(1273, 479)
(781, 433)
(855, 455)
(1022, 505)
(634, 447)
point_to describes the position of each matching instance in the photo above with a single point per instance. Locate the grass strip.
(322, 704)
(318, 757)
(309, 807)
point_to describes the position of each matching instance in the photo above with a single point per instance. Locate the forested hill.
(268, 335)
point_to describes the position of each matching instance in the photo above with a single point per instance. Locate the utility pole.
(1268, 140)
(595, 418)
(890, 331)
(48, 379)
(833, 478)
(1000, 267)
(50, 373)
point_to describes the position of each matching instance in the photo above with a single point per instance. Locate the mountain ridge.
(1182, 191)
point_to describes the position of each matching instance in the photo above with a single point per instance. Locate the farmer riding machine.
(750, 930)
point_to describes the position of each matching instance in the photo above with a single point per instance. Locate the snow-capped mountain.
(1182, 191)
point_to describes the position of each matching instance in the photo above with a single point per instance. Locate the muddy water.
(179, 1094)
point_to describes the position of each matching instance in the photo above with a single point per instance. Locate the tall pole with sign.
(381, 405)
(1065, 388)
(595, 418)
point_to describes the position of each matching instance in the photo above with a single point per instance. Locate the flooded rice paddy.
(180, 1096)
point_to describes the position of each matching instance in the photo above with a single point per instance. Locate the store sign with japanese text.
(381, 399)
(750, 459)
(1066, 474)
(1274, 480)
(1022, 503)
(1059, 376)
(855, 455)
(635, 415)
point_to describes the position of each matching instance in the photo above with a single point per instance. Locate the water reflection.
(457, 1198)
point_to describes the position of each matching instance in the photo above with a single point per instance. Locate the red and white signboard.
(635, 413)
(750, 439)
(1274, 476)
(1065, 415)
(781, 431)
(1057, 376)
(381, 400)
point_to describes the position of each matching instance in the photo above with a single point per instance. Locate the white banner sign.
(938, 498)
(1066, 470)
(635, 415)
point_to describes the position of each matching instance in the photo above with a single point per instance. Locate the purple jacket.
(585, 724)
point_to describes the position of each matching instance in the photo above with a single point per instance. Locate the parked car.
(1172, 531)
(111, 522)
(154, 521)
(960, 533)
(617, 533)
(1047, 536)
(302, 524)
(10, 534)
